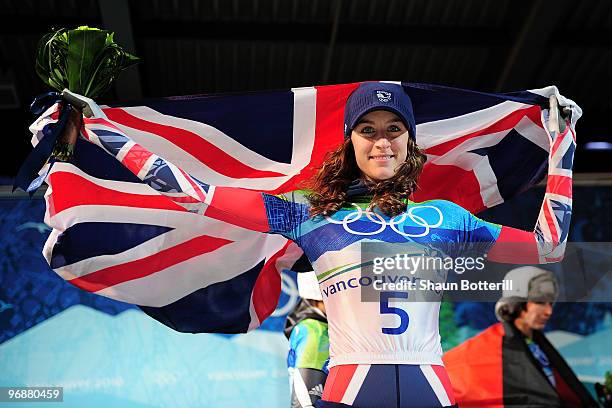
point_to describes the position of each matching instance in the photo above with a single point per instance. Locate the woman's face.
(380, 140)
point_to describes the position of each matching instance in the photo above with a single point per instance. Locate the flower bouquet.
(85, 61)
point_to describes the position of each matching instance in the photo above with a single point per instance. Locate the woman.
(380, 355)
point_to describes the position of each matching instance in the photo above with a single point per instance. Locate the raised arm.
(241, 207)
(547, 241)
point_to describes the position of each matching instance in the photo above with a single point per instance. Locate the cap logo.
(383, 96)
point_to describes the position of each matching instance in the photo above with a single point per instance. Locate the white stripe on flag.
(123, 151)
(209, 195)
(147, 166)
(120, 186)
(304, 123)
(174, 283)
(254, 322)
(489, 189)
(561, 198)
(193, 166)
(436, 385)
(201, 130)
(555, 171)
(148, 248)
(543, 224)
(441, 131)
(43, 120)
(355, 384)
(533, 133)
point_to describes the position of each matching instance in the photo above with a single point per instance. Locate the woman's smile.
(382, 157)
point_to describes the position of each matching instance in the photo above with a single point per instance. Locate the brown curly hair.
(339, 170)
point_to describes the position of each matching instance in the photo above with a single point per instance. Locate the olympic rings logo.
(393, 222)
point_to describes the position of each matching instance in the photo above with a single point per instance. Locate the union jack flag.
(116, 235)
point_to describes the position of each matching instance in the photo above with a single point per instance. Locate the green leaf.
(85, 60)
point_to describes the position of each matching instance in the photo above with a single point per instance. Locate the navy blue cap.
(371, 96)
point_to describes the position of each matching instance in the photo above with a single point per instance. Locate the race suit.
(392, 330)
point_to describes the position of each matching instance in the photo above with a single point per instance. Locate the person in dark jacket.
(512, 364)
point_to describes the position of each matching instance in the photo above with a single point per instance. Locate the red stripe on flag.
(446, 383)
(555, 259)
(338, 381)
(70, 190)
(551, 222)
(268, 286)
(567, 133)
(450, 183)
(505, 124)
(185, 199)
(101, 121)
(195, 187)
(136, 158)
(556, 145)
(561, 185)
(149, 265)
(329, 130)
(204, 151)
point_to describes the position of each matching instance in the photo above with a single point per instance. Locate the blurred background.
(104, 351)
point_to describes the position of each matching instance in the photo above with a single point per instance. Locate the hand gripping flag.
(117, 236)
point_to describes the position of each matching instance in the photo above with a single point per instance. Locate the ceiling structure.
(211, 46)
